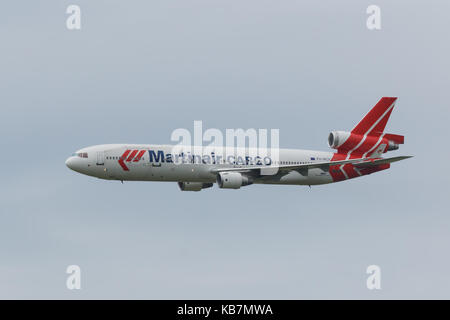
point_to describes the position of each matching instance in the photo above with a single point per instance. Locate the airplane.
(358, 153)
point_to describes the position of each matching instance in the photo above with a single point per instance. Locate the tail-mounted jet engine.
(232, 180)
(337, 138)
(344, 141)
(193, 186)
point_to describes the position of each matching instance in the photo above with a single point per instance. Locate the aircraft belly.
(166, 172)
(314, 177)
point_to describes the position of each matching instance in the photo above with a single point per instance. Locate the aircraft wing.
(321, 165)
(302, 168)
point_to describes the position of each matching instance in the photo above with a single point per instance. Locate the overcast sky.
(137, 70)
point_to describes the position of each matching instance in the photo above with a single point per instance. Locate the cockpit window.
(80, 154)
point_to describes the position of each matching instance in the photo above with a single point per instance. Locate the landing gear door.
(100, 158)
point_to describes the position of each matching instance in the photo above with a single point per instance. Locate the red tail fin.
(375, 121)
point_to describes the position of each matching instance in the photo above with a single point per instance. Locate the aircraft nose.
(70, 163)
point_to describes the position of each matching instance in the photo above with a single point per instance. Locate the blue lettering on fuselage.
(159, 156)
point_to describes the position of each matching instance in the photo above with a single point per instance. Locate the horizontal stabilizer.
(377, 162)
(395, 138)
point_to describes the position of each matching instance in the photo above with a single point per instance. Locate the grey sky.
(139, 69)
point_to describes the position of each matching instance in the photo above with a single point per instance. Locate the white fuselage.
(142, 162)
